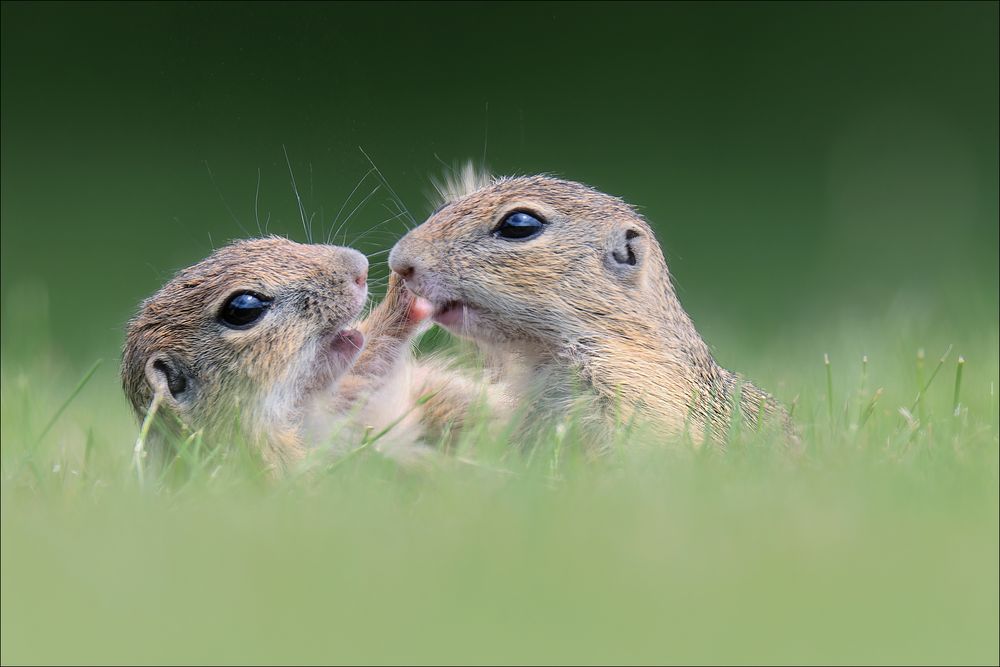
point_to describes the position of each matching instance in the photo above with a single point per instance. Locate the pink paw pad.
(420, 310)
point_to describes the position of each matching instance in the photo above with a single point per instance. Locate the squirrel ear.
(167, 377)
(628, 249)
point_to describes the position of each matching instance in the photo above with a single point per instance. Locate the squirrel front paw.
(411, 310)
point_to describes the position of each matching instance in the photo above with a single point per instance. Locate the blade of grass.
(88, 453)
(761, 414)
(139, 451)
(918, 401)
(69, 399)
(955, 405)
(870, 408)
(829, 388)
(735, 414)
(863, 387)
(29, 454)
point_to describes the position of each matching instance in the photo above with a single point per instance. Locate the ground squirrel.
(251, 343)
(570, 287)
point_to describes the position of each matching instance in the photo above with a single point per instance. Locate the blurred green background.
(802, 163)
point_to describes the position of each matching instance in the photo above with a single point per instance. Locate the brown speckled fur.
(564, 311)
(254, 384)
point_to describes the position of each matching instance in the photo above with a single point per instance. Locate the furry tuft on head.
(460, 181)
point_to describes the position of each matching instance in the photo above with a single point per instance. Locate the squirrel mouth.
(341, 350)
(338, 352)
(452, 314)
(347, 344)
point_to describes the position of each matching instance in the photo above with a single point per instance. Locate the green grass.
(879, 543)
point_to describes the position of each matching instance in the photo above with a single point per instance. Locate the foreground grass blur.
(879, 543)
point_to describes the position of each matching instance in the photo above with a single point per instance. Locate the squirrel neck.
(653, 361)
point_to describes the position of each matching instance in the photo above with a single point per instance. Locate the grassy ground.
(879, 544)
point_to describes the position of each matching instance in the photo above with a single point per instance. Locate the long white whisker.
(256, 199)
(389, 187)
(322, 226)
(443, 163)
(349, 197)
(486, 132)
(232, 215)
(400, 211)
(312, 198)
(360, 204)
(298, 198)
(376, 226)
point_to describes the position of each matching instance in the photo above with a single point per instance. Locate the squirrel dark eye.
(243, 309)
(519, 226)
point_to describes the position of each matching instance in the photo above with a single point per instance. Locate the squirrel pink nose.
(361, 279)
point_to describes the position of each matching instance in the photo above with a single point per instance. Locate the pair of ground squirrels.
(564, 287)
(255, 345)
